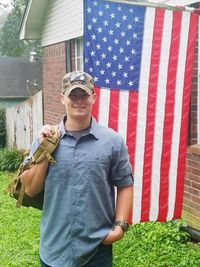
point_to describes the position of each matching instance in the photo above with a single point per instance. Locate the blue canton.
(113, 36)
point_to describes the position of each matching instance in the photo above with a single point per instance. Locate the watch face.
(124, 225)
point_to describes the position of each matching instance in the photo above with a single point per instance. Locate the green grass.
(19, 231)
(144, 245)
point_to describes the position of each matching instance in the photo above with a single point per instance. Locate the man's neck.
(76, 125)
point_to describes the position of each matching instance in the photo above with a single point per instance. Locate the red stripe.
(169, 117)
(151, 110)
(114, 109)
(132, 125)
(131, 130)
(95, 108)
(185, 111)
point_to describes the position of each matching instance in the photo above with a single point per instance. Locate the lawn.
(144, 245)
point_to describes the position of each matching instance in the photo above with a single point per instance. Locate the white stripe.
(104, 104)
(178, 112)
(142, 106)
(160, 115)
(123, 113)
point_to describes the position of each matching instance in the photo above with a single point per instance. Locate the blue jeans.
(103, 258)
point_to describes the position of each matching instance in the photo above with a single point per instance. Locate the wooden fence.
(23, 122)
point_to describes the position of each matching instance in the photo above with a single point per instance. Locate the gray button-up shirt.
(79, 199)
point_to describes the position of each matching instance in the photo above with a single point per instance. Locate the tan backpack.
(16, 188)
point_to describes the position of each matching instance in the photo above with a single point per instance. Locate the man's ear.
(62, 96)
(94, 98)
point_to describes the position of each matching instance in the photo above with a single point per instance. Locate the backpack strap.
(44, 150)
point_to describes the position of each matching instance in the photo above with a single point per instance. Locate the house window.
(79, 54)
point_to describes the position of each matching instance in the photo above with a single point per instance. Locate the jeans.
(103, 258)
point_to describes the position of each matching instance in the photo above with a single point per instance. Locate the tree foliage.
(10, 44)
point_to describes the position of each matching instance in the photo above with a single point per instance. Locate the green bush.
(2, 127)
(10, 159)
(156, 244)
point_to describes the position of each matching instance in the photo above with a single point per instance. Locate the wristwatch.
(123, 224)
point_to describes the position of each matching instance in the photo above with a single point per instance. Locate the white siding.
(63, 21)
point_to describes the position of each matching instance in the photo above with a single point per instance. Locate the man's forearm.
(34, 178)
(124, 202)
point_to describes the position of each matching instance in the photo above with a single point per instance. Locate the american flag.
(141, 59)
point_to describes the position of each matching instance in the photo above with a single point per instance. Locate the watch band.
(123, 224)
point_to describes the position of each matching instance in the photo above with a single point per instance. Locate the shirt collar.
(93, 129)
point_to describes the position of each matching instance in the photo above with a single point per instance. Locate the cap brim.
(86, 89)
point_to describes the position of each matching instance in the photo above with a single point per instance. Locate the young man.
(80, 220)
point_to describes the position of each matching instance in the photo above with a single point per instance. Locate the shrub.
(2, 127)
(10, 159)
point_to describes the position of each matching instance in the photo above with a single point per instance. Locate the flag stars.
(107, 81)
(121, 50)
(116, 41)
(102, 72)
(120, 66)
(104, 39)
(131, 67)
(92, 53)
(107, 6)
(125, 75)
(94, 20)
(89, 10)
(90, 69)
(98, 46)
(130, 10)
(99, 30)
(133, 52)
(96, 79)
(117, 25)
(126, 59)
(136, 19)
(86, 60)
(109, 48)
(130, 26)
(114, 57)
(130, 83)
(114, 73)
(108, 65)
(95, 3)
(97, 63)
(135, 35)
(111, 32)
(119, 82)
(119, 8)
(128, 42)
(124, 17)
(93, 37)
(100, 13)
(123, 34)
(105, 22)
(87, 44)
(112, 15)
(89, 27)
(103, 56)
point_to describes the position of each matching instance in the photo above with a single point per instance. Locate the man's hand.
(114, 235)
(46, 131)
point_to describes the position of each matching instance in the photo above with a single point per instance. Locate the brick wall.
(191, 206)
(54, 68)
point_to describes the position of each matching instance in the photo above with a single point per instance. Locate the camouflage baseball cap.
(78, 79)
